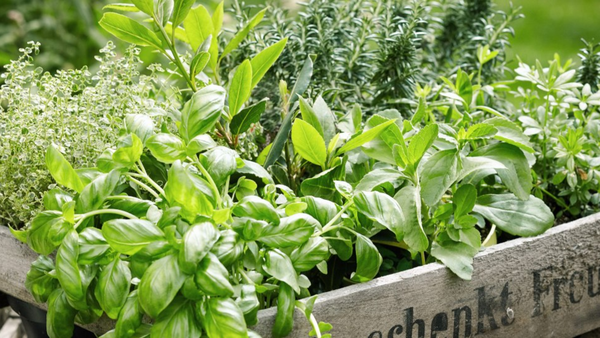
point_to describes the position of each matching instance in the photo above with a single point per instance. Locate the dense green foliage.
(179, 220)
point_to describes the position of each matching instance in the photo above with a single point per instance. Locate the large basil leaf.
(517, 175)
(249, 304)
(94, 194)
(228, 248)
(128, 236)
(129, 150)
(55, 198)
(222, 318)
(197, 242)
(368, 260)
(160, 284)
(38, 281)
(383, 209)
(189, 191)
(60, 320)
(61, 170)
(141, 125)
(202, 111)
(68, 272)
(464, 200)
(437, 175)
(220, 162)
(309, 254)
(256, 208)
(291, 231)
(130, 316)
(284, 319)
(517, 217)
(167, 148)
(378, 177)
(177, 320)
(320, 185)
(409, 200)
(47, 231)
(113, 287)
(279, 265)
(212, 277)
(322, 210)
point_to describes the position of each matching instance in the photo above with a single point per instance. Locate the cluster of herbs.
(374, 53)
(180, 222)
(81, 111)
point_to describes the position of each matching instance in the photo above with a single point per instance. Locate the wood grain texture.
(545, 286)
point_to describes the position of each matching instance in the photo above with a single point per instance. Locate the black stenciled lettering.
(395, 330)
(591, 285)
(572, 287)
(457, 314)
(539, 288)
(484, 310)
(508, 317)
(439, 323)
(556, 286)
(376, 334)
(410, 323)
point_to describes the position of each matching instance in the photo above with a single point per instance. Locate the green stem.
(210, 180)
(82, 217)
(331, 224)
(489, 236)
(142, 171)
(142, 184)
(176, 60)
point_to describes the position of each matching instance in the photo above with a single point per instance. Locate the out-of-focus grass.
(553, 26)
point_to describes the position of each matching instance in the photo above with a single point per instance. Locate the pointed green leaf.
(128, 236)
(198, 26)
(364, 137)
(113, 287)
(202, 111)
(61, 170)
(308, 143)
(242, 121)
(129, 30)
(240, 88)
(241, 35)
(159, 285)
(264, 60)
(368, 260)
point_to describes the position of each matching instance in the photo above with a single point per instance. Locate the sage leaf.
(437, 175)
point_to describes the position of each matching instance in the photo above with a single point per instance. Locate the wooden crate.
(545, 286)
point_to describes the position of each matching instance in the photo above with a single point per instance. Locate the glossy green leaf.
(220, 162)
(177, 320)
(264, 60)
(159, 285)
(322, 210)
(47, 231)
(130, 316)
(146, 6)
(368, 260)
(249, 304)
(167, 148)
(141, 125)
(438, 174)
(383, 209)
(60, 319)
(222, 318)
(364, 137)
(284, 319)
(321, 185)
(256, 208)
(308, 143)
(94, 194)
(409, 199)
(92, 246)
(68, 272)
(228, 248)
(129, 30)
(243, 120)
(55, 198)
(189, 191)
(212, 277)
(240, 87)
(181, 9)
(378, 177)
(199, 144)
(129, 150)
(517, 217)
(279, 265)
(517, 175)
(291, 231)
(198, 63)
(464, 200)
(421, 142)
(197, 242)
(38, 281)
(241, 35)
(309, 115)
(309, 254)
(123, 7)
(113, 287)
(163, 10)
(198, 26)
(128, 236)
(202, 111)
(61, 170)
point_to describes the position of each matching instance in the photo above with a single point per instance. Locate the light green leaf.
(198, 26)
(409, 199)
(68, 273)
(241, 35)
(220, 162)
(326, 119)
(222, 318)
(189, 191)
(256, 208)
(279, 265)
(242, 121)
(159, 285)
(321, 185)
(284, 319)
(113, 287)
(129, 150)
(364, 137)
(458, 257)
(383, 209)
(177, 320)
(378, 177)
(61, 170)
(141, 125)
(309, 115)
(309, 254)
(464, 199)
(47, 231)
(94, 194)
(128, 236)
(123, 7)
(480, 131)
(146, 6)
(202, 111)
(38, 281)
(438, 174)
(181, 9)
(198, 63)
(510, 132)
(291, 231)
(197, 242)
(517, 217)
(129, 30)
(421, 142)
(368, 260)
(212, 277)
(264, 60)
(240, 87)
(308, 143)
(167, 148)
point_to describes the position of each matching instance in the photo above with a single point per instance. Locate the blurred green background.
(70, 36)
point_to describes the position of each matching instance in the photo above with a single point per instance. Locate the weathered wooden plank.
(546, 286)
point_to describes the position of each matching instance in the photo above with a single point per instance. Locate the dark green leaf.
(197, 242)
(464, 199)
(309, 254)
(130, 317)
(242, 121)
(212, 277)
(321, 185)
(302, 80)
(284, 319)
(160, 284)
(177, 320)
(60, 320)
(240, 87)
(368, 260)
